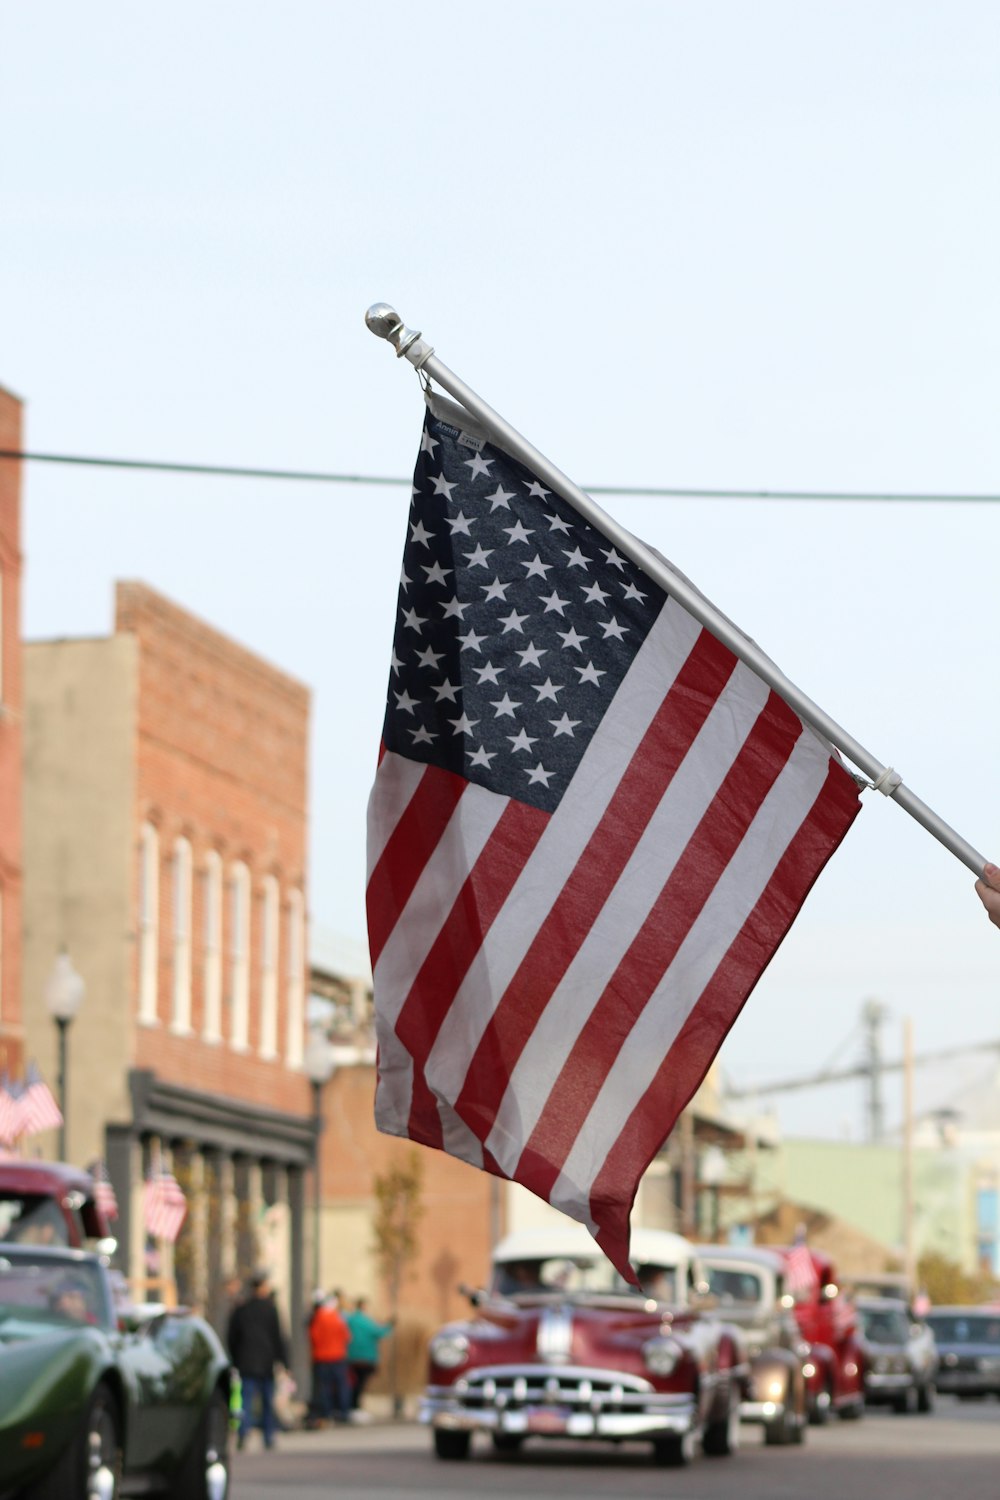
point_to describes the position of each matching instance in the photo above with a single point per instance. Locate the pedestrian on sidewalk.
(328, 1339)
(362, 1351)
(258, 1350)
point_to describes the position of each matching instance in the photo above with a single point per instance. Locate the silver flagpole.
(386, 323)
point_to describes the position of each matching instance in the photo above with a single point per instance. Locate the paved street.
(954, 1453)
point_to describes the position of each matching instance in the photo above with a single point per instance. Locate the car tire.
(69, 1479)
(197, 1475)
(722, 1439)
(820, 1408)
(782, 1430)
(926, 1397)
(674, 1452)
(854, 1411)
(507, 1442)
(451, 1445)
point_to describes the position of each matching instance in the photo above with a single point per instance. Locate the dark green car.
(89, 1409)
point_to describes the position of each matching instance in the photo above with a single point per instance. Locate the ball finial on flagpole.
(383, 320)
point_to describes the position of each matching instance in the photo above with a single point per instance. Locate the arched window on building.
(182, 893)
(295, 971)
(239, 957)
(149, 923)
(211, 1028)
(269, 969)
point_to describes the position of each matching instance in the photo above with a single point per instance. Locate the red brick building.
(165, 848)
(11, 713)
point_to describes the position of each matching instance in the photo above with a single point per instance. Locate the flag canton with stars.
(517, 621)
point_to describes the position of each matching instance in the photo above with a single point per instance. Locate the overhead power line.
(651, 491)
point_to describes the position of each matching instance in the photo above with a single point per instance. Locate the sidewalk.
(346, 1438)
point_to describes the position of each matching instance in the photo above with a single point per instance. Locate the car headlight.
(661, 1355)
(880, 1365)
(449, 1350)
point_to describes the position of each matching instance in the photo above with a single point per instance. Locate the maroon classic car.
(49, 1203)
(562, 1347)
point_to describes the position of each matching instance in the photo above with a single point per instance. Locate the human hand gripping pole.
(385, 323)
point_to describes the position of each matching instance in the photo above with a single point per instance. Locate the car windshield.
(580, 1275)
(965, 1328)
(32, 1219)
(732, 1284)
(885, 1325)
(57, 1290)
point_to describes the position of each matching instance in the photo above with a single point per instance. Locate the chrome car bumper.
(762, 1412)
(976, 1382)
(558, 1402)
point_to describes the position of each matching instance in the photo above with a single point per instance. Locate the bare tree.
(398, 1211)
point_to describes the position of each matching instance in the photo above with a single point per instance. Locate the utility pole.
(873, 1014)
(909, 1249)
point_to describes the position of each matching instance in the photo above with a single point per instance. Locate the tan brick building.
(11, 706)
(165, 815)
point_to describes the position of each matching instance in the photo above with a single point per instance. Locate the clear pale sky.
(708, 245)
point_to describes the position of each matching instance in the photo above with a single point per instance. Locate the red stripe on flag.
(683, 1069)
(575, 908)
(407, 850)
(486, 888)
(757, 766)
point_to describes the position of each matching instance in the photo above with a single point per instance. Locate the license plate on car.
(551, 1419)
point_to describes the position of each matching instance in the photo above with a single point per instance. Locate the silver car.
(901, 1358)
(968, 1341)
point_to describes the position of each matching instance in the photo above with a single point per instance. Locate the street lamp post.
(64, 991)
(319, 1069)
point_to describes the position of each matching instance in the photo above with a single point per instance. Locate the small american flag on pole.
(9, 1111)
(590, 829)
(104, 1193)
(164, 1207)
(37, 1108)
(801, 1274)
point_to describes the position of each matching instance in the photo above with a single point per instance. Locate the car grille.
(513, 1387)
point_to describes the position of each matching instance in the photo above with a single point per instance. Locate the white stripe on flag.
(474, 819)
(390, 796)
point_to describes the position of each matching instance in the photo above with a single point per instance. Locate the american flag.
(591, 827)
(37, 1108)
(801, 1274)
(10, 1095)
(104, 1194)
(164, 1207)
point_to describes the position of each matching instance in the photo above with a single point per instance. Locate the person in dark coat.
(257, 1348)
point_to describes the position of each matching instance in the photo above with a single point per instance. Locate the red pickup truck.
(828, 1321)
(49, 1203)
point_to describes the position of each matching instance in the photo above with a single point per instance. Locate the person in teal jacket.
(362, 1351)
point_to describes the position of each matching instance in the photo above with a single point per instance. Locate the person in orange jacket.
(328, 1340)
